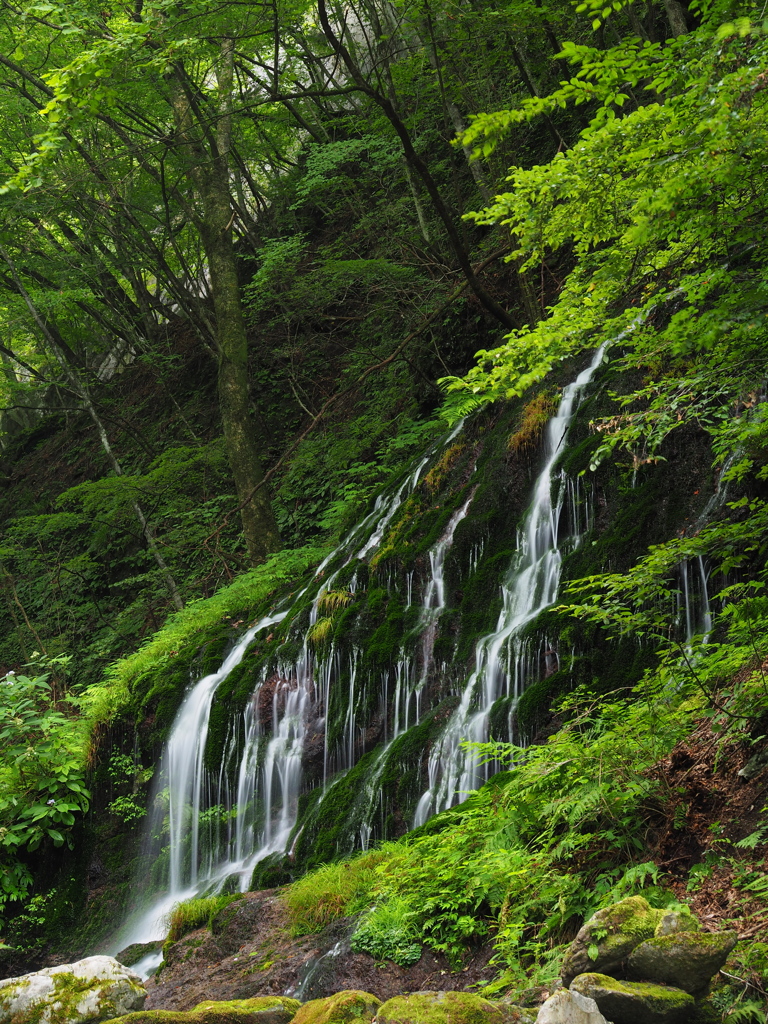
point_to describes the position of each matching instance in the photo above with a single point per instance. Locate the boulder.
(605, 941)
(340, 1008)
(566, 1007)
(259, 1010)
(95, 989)
(627, 1002)
(687, 960)
(442, 1008)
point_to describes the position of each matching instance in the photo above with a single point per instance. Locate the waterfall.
(695, 613)
(312, 712)
(268, 747)
(531, 586)
(182, 777)
(411, 678)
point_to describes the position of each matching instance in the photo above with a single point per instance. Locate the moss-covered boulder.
(628, 1002)
(345, 1007)
(259, 1010)
(441, 1008)
(687, 960)
(605, 941)
(95, 989)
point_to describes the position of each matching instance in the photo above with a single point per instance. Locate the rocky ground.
(250, 952)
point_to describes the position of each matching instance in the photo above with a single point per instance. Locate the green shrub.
(389, 932)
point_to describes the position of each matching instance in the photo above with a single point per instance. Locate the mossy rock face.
(440, 1008)
(341, 1008)
(259, 1010)
(95, 989)
(687, 960)
(611, 934)
(135, 952)
(629, 1002)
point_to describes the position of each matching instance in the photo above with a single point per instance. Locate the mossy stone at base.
(94, 989)
(612, 934)
(440, 1008)
(259, 1010)
(341, 1008)
(631, 1002)
(687, 960)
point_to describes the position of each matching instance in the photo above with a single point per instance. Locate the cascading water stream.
(695, 610)
(411, 679)
(411, 675)
(182, 776)
(264, 803)
(531, 586)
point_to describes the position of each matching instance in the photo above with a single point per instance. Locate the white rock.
(568, 1007)
(95, 989)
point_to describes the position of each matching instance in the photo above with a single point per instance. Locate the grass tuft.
(194, 913)
(332, 891)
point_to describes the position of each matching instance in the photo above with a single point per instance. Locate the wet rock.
(95, 989)
(259, 1010)
(687, 960)
(135, 952)
(441, 1008)
(341, 1008)
(570, 1007)
(605, 941)
(628, 1002)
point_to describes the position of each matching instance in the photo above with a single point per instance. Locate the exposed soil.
(713, 795)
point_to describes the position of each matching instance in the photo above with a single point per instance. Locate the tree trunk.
(417, 165)
(259, 526)
(209, 170)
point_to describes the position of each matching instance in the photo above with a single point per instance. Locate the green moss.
(329, 830)
(63, 1004)
(633, 917)
(341, 1008)
(440, 1008)
(259, 1010)
(253, 1005)
(271, 872)
(607, 993)
(135, 952)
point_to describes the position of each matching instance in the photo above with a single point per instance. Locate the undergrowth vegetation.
(570, 825)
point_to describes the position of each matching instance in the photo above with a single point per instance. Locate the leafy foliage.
(42, 773)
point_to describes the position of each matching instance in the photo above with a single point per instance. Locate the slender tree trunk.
(210, 172)
(676, 17)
